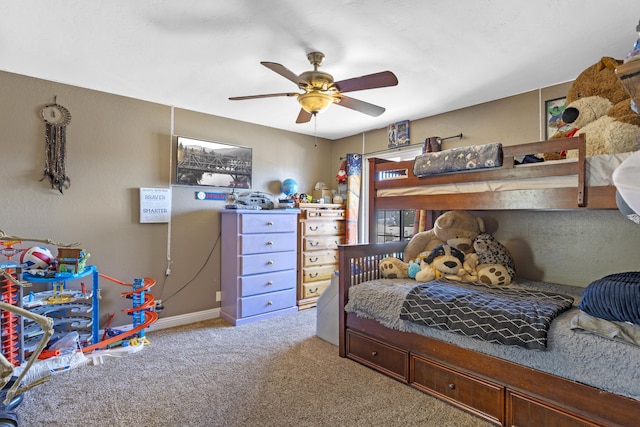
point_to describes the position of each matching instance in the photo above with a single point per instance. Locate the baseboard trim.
(173, 321)
(184, 319)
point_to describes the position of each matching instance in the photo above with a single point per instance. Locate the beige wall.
(115, 146)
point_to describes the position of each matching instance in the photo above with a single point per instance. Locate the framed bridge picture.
(212, 164)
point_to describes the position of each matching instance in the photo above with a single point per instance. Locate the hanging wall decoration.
(56, 119)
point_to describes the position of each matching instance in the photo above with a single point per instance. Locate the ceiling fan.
(320, 91)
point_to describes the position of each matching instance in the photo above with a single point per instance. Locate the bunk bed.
(504, 385)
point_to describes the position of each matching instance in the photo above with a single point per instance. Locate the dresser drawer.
(315, 258)
(267, 223)
(266, 263)
(318, 228)
(322, 242)
(314, 289)
(264, 303)
(481, 397)
(268, 282)
(262, 243)
(314, 274)
(382, 357)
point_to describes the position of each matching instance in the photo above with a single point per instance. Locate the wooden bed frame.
(494, 389)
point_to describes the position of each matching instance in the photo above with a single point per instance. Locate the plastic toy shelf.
(68, 304)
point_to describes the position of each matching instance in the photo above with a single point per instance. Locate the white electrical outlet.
(218, 296)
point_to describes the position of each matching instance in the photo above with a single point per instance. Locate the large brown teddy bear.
(599, 107)
(457, 229)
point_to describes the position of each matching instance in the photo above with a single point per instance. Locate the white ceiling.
(194, 54)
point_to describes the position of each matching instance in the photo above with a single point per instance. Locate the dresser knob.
(269, 283)
(452, 386)
(374, 353)
(269, 243)
(270, 223)
(269, 302)
(269, 262)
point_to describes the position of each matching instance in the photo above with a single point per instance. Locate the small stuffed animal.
(490, 251)
(494, 260)
(443, 261)
(599, 107)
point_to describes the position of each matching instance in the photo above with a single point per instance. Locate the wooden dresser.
(258, 264)
(321, 228)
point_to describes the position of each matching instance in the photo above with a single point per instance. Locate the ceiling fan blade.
(285, 72)
(303, 117)
(370, 81)
(266, 95)
(361, 106)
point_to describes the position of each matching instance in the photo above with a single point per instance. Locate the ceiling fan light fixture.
(314, 102)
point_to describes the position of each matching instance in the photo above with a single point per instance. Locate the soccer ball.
(36, 258)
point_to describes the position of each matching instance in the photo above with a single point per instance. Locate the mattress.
(606, 364)
(598, 172)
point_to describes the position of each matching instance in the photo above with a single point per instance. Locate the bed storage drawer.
(382, 357)
(473, 394)
(523, 411)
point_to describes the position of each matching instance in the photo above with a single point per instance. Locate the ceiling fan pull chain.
(315, 129)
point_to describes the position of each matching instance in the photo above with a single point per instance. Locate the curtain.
(354, 182)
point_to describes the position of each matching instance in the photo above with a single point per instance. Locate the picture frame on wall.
(553, 110)
(398, 134)
(213, 164)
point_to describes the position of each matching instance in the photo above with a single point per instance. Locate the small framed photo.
(553, 110)
(398, 134)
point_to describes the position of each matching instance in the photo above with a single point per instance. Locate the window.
(394, 225)
(404, 219)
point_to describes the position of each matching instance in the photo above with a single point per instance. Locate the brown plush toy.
(457, 229)
(599, 107)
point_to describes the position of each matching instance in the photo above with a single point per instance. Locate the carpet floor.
(276, 372)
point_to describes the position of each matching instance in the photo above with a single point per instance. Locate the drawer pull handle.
(374, 353)
(314, 291)
(452, 386)
(314, 243)
(269, 243)
(269, 303)
(313, 275)
(269, 262)
(269, 283)
(270, 223)
(313, 259)
(312, 228)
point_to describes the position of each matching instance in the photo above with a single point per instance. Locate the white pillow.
(626, 178)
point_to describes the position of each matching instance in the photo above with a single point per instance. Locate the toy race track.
(144, 307)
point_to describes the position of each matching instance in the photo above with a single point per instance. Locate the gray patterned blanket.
(509, 316)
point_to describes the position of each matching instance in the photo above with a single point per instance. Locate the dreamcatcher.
(56, 119)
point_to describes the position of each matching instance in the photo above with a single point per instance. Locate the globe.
(289, 187)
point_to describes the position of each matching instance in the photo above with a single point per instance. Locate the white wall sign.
(155, 204)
